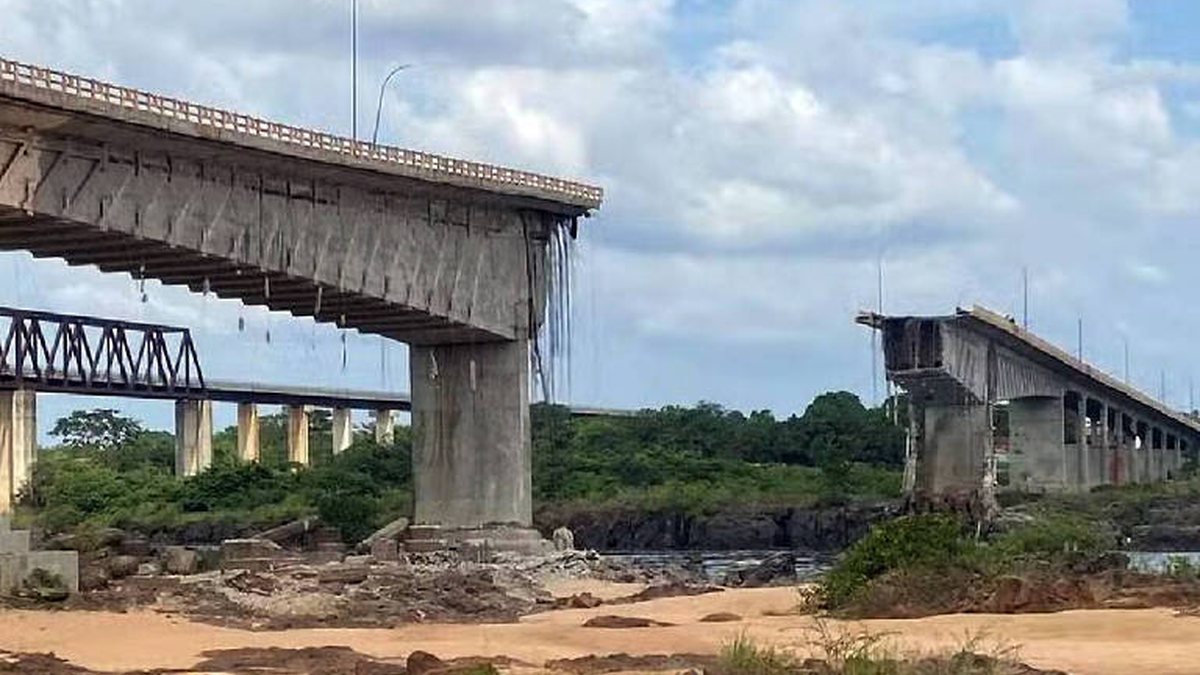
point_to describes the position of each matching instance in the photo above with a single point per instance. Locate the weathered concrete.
(17, 561)
(18, 444)
(248, 432)
(953, 454)
(471, 448)
(1038, 452)
(193, 437)
(385, 427)
(297, 435)
(343, 429)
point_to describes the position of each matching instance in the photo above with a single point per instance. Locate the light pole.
(379, 106)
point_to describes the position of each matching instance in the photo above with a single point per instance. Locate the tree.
(101, 429)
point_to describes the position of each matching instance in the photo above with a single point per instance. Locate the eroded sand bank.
(1088, 642)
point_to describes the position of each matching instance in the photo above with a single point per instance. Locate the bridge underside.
(452, 257)
(115, 251)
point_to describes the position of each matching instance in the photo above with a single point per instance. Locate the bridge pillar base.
(247, 432)
(1040, 454)
(385, 427)
(297, 435)
(471, 443)
(343, 430)
(18, 444)
(193, 437)
(952, 454)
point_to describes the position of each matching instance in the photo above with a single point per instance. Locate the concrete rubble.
(18, 562)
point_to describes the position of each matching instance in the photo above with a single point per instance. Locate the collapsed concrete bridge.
(455, 258)
(995, 406)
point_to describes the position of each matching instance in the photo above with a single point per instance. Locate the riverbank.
(1093, 642)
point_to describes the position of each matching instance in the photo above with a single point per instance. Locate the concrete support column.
(385, 427)
(343, 429)
(193, 437)
(953, 448)
(18, 444)
(247, 432)
(1035, 427)
(471, 445)
(297, 434)
(1100, 474)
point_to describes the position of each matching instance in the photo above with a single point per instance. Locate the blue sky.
(760, 157)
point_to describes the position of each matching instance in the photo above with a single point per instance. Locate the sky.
(763, 161)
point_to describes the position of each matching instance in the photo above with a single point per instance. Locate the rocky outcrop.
(815, 529)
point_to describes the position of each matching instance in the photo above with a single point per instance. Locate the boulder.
(613, 621)
(149, 569)
(720, 617)
(421, 663)
(181, 560)
(777, 568)
(564, 539)
(93, 578)
(121, 566)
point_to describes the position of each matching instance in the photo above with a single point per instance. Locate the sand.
(1088, 642)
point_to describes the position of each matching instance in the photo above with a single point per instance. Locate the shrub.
(922, 541)
(743, 656)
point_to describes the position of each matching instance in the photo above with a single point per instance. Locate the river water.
(714, 564)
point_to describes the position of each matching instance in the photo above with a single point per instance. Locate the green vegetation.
(110, 471)
(704, 458)
(839, 652)
(933, 552)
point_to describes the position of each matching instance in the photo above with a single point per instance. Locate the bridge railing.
(79, 352)
(215, 118)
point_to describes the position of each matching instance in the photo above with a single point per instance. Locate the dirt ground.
(1087, 641)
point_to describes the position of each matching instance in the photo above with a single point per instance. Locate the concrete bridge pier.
(471, 443)
(343, 430)
(193, 436)
(248, 432)
(385, 427)
(18, 444)
(952, 456)
(1037, 429)
(297, 434)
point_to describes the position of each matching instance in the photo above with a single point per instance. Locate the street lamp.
(379, 106)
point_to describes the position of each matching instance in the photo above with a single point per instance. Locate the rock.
(613, 621)
(579, 601)
(149, 569)
(109, 537)
(564, 539)
(668, 590)
(121, 566)
(181, 560)
(93, 578)
(420, 663)
(720, 617)
(777, 568)
(1011, 594)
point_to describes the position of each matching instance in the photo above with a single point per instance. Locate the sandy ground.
(1087, 642)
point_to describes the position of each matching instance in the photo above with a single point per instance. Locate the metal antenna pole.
(1025, 297)
(354, 69)
(379, 106)
(1079, 327)
(1125, 339)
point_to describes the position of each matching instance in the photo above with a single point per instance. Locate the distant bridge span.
(454, 257)
(995, 406)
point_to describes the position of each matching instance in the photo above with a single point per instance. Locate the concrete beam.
(248, 432)
(193, 437)
(471, 442)
(343, 430)
(18, 444)
(297, 435)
